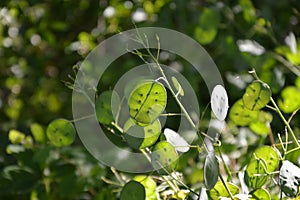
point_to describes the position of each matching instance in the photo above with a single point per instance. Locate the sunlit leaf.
(263, 161)
(147, 101)
(177, 86)
(133, 190)
(164, 157)
(240, 115)
(289, 178)
(211, 170)
(207, 28)
(269, 155)
(257, 95)
(140, 137)
(255, 175)
(260, 194)
(37, 132)
(176, 140)
(290, 99)
(61, 132)
(261, 126)
(15, 136)
(149, 184)
(248, 10)
(220, 191)
(219, 102)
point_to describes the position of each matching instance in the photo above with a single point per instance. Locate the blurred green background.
(41, 41)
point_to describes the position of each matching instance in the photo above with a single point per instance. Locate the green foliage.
(207, 28)
(149, 184)
(256, 96)
(139, 137)
(133, 190)
(164, 158)
(146, 102)
(260, 194)
(104, 107)
(61, 132)
(240, 115)
(220, 191)
(42, 160)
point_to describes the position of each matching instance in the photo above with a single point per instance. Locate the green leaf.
(261, 126)
(61, 132)
(147, 101)
(133, 190)
(139, 137)
(211, 170)
(269, 155)
(255, 175)
(248, 10)
(207, 28)
(289, 178)
(105, 103)
(240, 115)
(220, 191)
(177, 86)
(290, 99)
(260, 194)
(149, 184)
(17, 180)
(257, 95)
(263, 161)
(15, 136)
(164, 157)
(37, 132)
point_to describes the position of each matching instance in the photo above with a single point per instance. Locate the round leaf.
(61, 132)
(269, 155)
(176, 140)
(255, 175)
(211, 170)
(177, 86)
(147, 101)
(220, 191)
(260, 194)
(290, 99)
(133, 190)
(139, 137)
(240, 115)
(104, 107)
(257, 95)
(164, 157)
(219, 102)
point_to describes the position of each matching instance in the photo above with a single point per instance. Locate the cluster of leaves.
(37, 46)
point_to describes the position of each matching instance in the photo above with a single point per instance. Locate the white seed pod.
(219, 102)
(176, 140)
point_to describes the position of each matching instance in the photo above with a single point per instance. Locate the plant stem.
(226, 187)
(285, 122)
